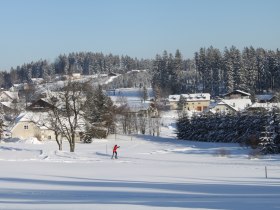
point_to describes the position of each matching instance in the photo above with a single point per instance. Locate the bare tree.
(67, 112)
(143, 124)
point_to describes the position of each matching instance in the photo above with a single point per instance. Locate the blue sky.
(43, 29)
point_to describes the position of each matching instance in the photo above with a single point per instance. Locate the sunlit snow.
(151, 173)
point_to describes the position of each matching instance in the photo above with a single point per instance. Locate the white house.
(234, 101)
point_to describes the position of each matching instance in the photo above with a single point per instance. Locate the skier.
(115, 152)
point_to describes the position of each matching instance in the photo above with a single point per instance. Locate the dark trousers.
(115, 154)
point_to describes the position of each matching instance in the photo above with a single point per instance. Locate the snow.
(151, 173)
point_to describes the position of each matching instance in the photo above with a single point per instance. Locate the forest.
(210, 70)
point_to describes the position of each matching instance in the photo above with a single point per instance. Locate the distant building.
(40, 105)
(198, 102)
(31, 124)
(222, 107)
(266, 98)
(173, 101)
(234, 101)
(237, 94)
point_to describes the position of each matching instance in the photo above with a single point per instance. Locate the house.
(198, 102)
(143, 109)
(222, 107)
(263, 106)
(25, 127)
(234, 101)
(237, 94)
(9, 96)
(264, 102)
(266, 98)
(173, 101)
(37, 81)
(31, 124)
(76, 75)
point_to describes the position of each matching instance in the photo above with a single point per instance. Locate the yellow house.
(198, 102)
(30, 125)
(27, 126)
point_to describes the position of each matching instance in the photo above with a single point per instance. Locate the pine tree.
(99, 110)
(249, 64)
(228, 72)
(267, 145)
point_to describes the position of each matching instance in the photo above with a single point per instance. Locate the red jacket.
(115, 148)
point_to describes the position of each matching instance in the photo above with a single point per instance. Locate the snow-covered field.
(151, 173)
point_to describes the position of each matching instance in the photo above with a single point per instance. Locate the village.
(28, 118)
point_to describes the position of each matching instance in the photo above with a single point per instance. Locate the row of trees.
(86, 63)
(211, 70)
(252, 70)
(258, 129)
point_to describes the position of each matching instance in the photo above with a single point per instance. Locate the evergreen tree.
(228, 72)
(99, 109)
(249, 64)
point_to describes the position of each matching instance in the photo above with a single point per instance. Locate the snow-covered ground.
(151, 173)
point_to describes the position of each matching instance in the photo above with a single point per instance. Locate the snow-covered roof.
(268, 106)
(238, 104)
(222, 102)
(41, 119)
(197, 97)
(174, 98)
(238, 91)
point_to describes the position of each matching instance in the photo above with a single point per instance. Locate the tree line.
(215, 72)
(210, 70)
(260, 130)
(86, 63)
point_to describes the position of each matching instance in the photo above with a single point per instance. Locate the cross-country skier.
(115, 152)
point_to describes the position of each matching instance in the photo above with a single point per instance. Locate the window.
(49, 137)
(26, 127)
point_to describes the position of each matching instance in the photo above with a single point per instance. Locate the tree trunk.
(60, 147)
(59, 142)
(72, 142)
(72, 147)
